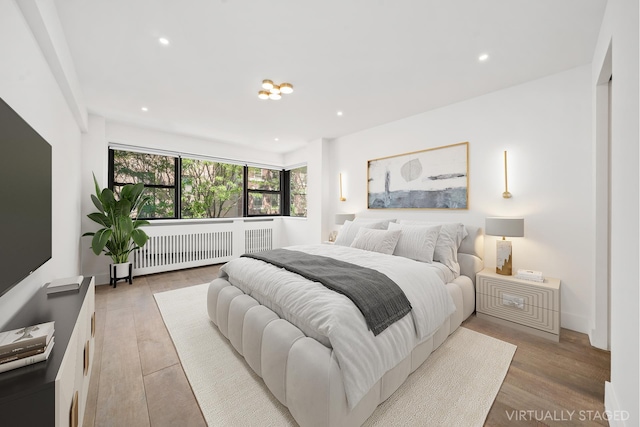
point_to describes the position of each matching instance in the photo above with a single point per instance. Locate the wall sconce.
(506, 193)
(505, 227)
(342, 198)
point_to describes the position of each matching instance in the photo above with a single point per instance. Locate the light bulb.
(286, 88)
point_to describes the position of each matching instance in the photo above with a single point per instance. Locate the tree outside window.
(298, 191)
(211, 189)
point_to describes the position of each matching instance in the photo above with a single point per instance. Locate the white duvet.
(332, 319)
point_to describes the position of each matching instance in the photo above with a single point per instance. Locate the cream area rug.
(456, 386)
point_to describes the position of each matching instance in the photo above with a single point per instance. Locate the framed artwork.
(436, 178)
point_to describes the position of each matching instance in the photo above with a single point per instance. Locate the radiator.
(258, 240)
(175, 251)
(178, 247)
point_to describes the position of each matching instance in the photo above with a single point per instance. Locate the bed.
(297, 359)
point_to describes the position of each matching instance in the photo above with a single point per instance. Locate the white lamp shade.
(275, 96)
(267, 84)
(505, 227)
(342, 217)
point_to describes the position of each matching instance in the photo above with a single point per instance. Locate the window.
(264, 191)
(158, 173)
(182, 187)
(211, 189)
(298, 191)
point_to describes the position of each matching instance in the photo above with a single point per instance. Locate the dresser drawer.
(526, 314)
(530, 293)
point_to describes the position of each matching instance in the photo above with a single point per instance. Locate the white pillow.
(416, 242)
(383, 241)
(449, 240)
(349, 230)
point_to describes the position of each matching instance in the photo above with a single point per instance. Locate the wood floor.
(137, 379)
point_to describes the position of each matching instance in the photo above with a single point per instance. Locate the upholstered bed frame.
(302, 373)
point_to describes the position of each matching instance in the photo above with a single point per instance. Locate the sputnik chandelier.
(273, 91)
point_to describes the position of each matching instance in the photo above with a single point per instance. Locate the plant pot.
(120, 271)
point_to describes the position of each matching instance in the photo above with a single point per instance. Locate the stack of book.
(25, 346)
(65, 285)
(534, 276)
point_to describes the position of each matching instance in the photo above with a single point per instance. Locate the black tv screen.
(25, 199)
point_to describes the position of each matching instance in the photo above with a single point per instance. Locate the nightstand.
(525, 305)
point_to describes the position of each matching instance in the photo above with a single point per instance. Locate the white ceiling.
(376, 60)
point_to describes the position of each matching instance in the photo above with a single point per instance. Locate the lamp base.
(504, 260)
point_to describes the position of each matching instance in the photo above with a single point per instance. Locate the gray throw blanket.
(380, 300)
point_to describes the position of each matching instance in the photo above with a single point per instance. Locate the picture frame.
(435, 178)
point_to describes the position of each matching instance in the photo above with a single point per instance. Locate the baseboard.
(595, 341)
(616, 416)
(575, 323)
(102, 279)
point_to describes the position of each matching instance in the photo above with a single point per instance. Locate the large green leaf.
(100, 239)
(97, 203)
(126, 226)
(125, 192)
(95, 182)
(100, 218)
(139, 237)
(108, 199)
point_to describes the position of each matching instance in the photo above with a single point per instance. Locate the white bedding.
(332, 319)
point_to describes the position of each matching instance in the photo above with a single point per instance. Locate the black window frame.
(177, 171)
(284, 192)
(248, 191)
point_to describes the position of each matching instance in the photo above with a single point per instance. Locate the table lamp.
(505, 227)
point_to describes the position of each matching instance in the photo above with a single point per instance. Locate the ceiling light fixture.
(339, 113)
(163, 41)
(145, 109)
(273, 91)
(483, 57)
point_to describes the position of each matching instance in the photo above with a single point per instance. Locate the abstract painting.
(436, 178)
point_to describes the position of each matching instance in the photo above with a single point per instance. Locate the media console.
(54, 392)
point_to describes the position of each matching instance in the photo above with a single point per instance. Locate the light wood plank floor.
(137, 379)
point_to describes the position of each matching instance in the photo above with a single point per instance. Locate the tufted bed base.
(302, 373)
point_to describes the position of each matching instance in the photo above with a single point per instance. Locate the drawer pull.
(513, 301)
(93, 324)
(73, 412)
(86, 358)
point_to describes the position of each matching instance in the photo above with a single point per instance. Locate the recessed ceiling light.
(145, 109)
(339, 113)
(163, 41)
(276, 139)
(483, 57)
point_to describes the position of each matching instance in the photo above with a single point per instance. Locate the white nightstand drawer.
(529, 315)
(532, 293)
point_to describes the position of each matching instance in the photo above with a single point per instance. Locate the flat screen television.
(25, 199)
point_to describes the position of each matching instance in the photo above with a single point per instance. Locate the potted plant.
(120, 233)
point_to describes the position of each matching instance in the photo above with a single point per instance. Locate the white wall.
(28, 86)
(546, 127)
(620, 29)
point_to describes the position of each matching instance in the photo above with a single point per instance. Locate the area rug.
(456, 386)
